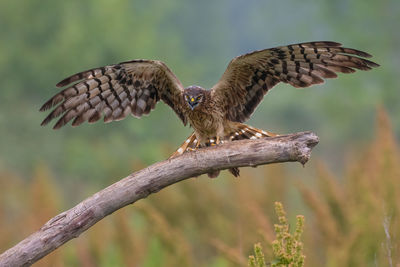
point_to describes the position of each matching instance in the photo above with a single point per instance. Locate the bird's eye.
(198, 98)
(186, 97)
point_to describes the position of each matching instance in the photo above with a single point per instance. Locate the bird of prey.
(216, 115)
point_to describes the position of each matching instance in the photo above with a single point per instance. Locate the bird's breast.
(205, 122)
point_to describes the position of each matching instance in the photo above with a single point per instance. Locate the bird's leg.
(218, 140)
(222, 139)
(196, 147)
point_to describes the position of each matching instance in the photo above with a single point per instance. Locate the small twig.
(70, 224)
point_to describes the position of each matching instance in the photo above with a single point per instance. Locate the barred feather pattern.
(249, 77)
(132, 87)
(241, 132)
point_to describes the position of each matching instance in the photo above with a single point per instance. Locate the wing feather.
(115, 91)
(249, 77)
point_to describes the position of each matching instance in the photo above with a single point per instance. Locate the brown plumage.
(132, 87)
(216, 115)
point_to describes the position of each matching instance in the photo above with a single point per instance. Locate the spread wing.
(132, 87)
(249, 77)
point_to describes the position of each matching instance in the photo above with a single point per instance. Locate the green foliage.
(43, 172)
(287, 248)
(43, 43)
(257, 260)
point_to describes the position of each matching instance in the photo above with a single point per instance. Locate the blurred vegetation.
(351, 200)
(351, 220)
(45, 41)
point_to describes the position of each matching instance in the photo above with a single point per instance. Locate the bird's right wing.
(132, 87)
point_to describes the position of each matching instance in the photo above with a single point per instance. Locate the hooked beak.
(192, 103)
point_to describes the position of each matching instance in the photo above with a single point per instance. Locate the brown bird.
(216, 115)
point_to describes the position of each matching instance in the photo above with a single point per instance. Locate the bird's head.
(194, 96)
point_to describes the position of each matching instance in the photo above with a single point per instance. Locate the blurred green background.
(42, 42)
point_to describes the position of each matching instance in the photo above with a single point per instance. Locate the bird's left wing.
(132, 87)
(249, 77)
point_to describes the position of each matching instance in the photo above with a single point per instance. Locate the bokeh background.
(349, 191)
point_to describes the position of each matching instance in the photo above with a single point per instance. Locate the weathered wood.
(70, 224)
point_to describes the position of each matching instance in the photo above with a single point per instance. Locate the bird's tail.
(241, 131)
(244, 131)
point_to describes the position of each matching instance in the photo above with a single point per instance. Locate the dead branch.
(70, 224)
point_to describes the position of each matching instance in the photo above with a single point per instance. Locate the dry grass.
(351, 220)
